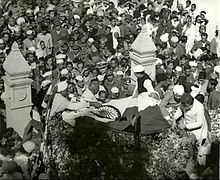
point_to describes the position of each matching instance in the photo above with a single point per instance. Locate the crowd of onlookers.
(79, 41)
(80, 49)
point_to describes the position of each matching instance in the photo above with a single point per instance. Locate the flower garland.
(97, 154)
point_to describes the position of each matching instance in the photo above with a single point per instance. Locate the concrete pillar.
(17, 95)
(143, 52)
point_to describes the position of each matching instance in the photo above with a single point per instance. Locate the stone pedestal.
(143, 52)
(17, 95)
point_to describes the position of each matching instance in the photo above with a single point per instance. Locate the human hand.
(97, 104)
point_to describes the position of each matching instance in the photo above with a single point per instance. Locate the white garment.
(191, 34)
(195, 120)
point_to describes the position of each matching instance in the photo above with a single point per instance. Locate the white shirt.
(195, 120)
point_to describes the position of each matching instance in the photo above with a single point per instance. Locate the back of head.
(186, 98)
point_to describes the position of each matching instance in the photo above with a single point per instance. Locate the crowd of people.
(78, 51)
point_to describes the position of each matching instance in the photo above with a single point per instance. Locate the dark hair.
(69, 63)
(213, 82)
(160, 77)
(186, 98)
(183, 39)
(102, 91)
(204, 34)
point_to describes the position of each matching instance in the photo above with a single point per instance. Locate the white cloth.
(191, 34)
(60, 103)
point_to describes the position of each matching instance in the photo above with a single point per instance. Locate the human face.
(57, 28)
(95, 73)
(193, 7)
(203, 39)
(189, 20)
(113, 22)
(110, 77)
(170, 66)
(80, 67)
(30, 58)
(113, 64)
(185, 107)
(69, 67)
(11, 22)
(50, 61)
(70, 88)
(80, 84)
(103, 97)
(182, 61)
(1, 21)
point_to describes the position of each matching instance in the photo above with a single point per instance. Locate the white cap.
(60, 56)
(29, 146)
(29, 11)
(17, 28)
(174, 39)
(61, 86)
(76, 16)
(79, 78)
(164, 37)
(89, 11)
(120, 73)
(91, 40)
(45, 83)
(178, 68)
(115, 90)
(192, 63)
(46, 74)
(159, 61)
(64, 72)
(29, 32)
(20, 20)
(100, 77)
(119, 18)
(178, 89)
(60, 61)
(217, 69)
(197, 53)
(138, 68)
(32, 49)
(1, 41)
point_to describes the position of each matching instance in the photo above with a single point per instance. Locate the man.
(161, 79)
(144, 83)
(214, 96)
(58, 33)
(60, 101)
(30, 41)
(125, 90)
(202, 43)
(180, 49)
(193, 119)
(80, 85)
(88, 96)
(45, 36)
(171, 99)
